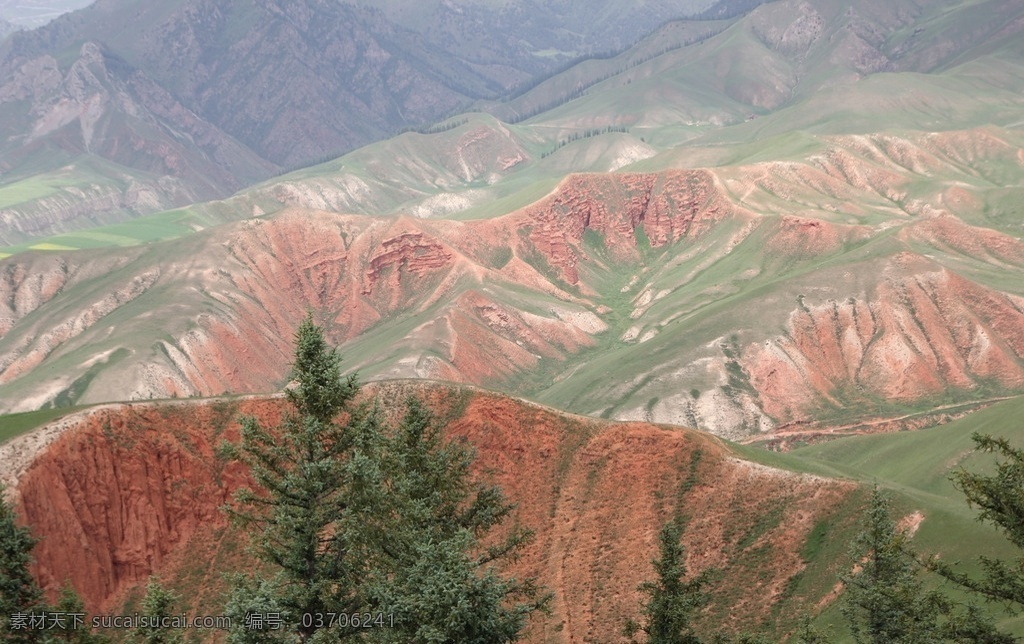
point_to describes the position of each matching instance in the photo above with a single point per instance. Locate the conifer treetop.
(320, 392)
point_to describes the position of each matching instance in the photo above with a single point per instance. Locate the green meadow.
(914, 467)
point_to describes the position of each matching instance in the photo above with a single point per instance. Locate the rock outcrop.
(410, 253)
(124, 487)
(667, 207)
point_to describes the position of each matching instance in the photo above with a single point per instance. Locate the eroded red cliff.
(666, 206)
(923, 331)
(125, 487)
(136, 490)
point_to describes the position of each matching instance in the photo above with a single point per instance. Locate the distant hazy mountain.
(6, 28)
(91, 140)
(292, 80)
(296, 81)
(191, 100)
(34, 13)
(529, 35)
(850, 174)
(778, 56)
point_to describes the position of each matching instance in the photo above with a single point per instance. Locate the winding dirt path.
(896, 423)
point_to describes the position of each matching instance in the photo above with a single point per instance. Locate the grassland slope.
(609, 296)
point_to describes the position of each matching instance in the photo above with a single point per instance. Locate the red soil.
(925, 330)
(369, 269)
(115, 495)
(135, 491)
(803, 237)
(668, 206)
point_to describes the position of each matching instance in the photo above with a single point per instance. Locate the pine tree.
(884, 601)
(1000, 498)
(972, 625)
(302, 474)
(77, 631)
(19, 593)
(435, 578)
(808, 634)
(349, 517)
(673, 602)
(255, 610)
(157, 604)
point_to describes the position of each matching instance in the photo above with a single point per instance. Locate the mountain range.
(127, 108)
(592, 256)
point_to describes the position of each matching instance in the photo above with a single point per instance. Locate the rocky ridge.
(128, 146)
(125, 491)
(925, 332)
(627, 258)
(370, 269)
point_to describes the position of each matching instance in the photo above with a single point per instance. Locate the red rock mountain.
(262, 276)
(624, 295)
(131, 490)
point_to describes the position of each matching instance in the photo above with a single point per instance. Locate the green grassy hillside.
(13, 425)
(915, 468)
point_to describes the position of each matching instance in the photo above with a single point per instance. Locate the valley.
(628, 275)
